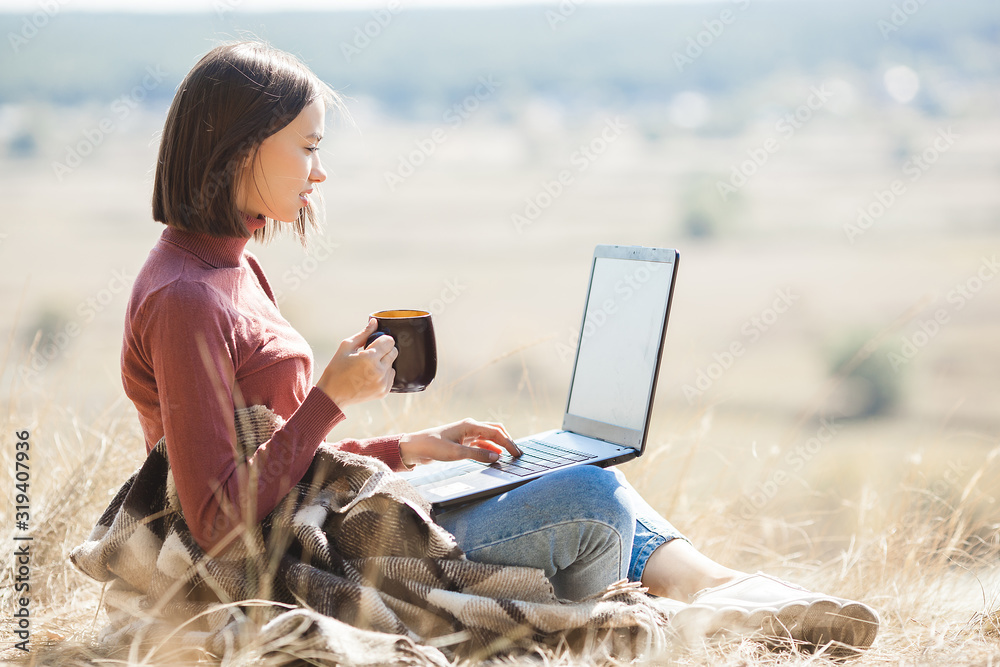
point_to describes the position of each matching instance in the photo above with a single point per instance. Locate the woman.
(203, 337)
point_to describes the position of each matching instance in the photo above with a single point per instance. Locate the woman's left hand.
(467, 439)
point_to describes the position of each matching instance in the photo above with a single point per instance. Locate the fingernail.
(494, 457)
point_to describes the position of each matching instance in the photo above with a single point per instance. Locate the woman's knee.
(582, 498)
(585, 477)
(589, 492)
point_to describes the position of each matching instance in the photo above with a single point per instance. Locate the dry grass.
(925, 554)
(898, 511)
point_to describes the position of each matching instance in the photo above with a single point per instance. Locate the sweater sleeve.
(385, 448)
(190, 336)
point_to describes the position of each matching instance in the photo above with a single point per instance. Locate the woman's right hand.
(356, 373)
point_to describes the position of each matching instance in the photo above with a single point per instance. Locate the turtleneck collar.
(217, 251)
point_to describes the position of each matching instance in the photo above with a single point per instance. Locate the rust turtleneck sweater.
(203, 336)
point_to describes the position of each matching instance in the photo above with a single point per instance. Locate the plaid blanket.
(348, 569)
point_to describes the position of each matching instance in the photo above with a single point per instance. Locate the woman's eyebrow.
(315, 135)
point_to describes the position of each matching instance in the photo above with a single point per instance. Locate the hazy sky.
(29, 6)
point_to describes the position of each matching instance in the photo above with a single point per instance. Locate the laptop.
(611, 390)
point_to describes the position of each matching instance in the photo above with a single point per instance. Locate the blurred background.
(828, 170)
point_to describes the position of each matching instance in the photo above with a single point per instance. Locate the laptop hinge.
(594, 437)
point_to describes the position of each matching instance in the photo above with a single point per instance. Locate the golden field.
(764, 468)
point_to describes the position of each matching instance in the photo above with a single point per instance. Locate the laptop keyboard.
(537, 456)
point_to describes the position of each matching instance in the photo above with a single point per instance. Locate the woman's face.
(287, 166)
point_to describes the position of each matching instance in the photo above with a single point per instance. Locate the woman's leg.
(586, 527)
(577, 525)
(733, 601)
(677, 570)
(664, 560)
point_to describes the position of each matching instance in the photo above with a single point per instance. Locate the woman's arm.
(191, 337)
(384, 448)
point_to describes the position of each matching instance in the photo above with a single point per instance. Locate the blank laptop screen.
(620, 341)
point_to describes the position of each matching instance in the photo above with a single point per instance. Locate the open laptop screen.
(620, 344)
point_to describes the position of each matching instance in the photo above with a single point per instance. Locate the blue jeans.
(586, 527)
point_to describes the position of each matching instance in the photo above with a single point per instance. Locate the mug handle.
(371, 338)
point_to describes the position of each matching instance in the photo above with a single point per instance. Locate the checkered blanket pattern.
(350, 569)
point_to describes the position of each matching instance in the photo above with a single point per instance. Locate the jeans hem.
(640, 558)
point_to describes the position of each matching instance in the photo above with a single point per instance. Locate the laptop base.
(440, 483)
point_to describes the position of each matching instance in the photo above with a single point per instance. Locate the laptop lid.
(621, 343)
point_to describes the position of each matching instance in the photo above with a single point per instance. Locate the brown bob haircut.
(235, 97)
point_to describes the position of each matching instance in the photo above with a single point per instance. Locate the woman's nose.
(317, 174)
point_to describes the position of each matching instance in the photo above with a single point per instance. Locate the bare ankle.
(677, 570)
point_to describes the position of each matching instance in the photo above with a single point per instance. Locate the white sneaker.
(763, 605)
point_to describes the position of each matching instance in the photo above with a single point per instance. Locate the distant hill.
(420, 60)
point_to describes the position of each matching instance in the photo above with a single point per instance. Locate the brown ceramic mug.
(413, 332)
